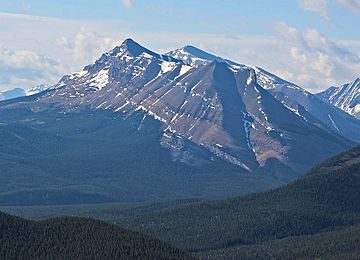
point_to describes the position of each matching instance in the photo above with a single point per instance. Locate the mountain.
(77, 238)
(345, 97)
(36, 89)
(12, 93)
(296, 99)
(19, 92)
(138, 126)
(216, 105)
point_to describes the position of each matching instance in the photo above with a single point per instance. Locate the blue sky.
(314, 43)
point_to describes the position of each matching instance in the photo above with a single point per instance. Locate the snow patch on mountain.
(101, 79)
(36, 89)
(248, 125)
(333, 123)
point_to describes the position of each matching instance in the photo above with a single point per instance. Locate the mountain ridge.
(12, 93)
(19, 92)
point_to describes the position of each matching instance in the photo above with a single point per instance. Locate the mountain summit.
(132, 48)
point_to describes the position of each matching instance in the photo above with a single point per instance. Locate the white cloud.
(128, 3)
(25, 68)
(298, 56)
(307, 58)
(352, 5)
(317, 6)
(321, 6)
(315, 61)
(27, 17)
(86, 46)
(71, 46)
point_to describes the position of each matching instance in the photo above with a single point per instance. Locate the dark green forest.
(338, 244)
(77, 238)
(316, 216)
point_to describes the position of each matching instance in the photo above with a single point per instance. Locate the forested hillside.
(316, 216)
(338, 244)
(77, 238)
(323, 206)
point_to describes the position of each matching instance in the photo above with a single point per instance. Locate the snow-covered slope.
(36, 89)
(195, 57)
(345, 97)
(211, 102)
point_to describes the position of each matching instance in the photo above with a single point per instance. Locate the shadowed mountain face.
(326, 199)
(206, 119)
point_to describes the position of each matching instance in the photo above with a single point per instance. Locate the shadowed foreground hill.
(324, 201)
(340, 244)
(77, 238)
(317, 216)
